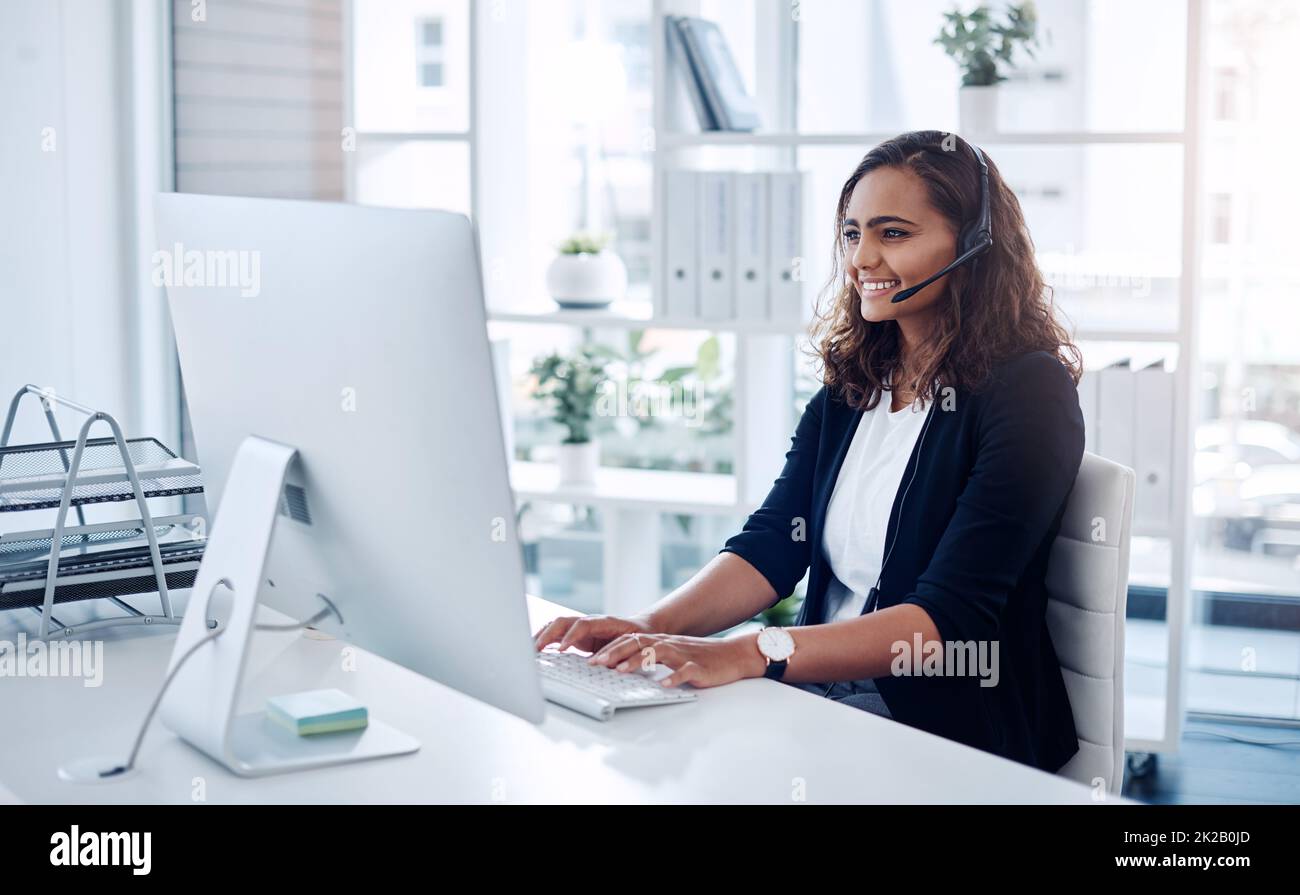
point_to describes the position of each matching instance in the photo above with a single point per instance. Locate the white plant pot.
(978, 107)
(587, 281)
(578, 463)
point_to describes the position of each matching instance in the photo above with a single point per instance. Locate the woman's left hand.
(699, 661)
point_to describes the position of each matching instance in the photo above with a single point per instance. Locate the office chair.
(1087, 587)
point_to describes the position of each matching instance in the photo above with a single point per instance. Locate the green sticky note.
(317, 711)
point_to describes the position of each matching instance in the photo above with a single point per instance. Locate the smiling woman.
(931, 528)
(898, 221)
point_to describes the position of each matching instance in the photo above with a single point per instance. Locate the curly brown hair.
(997, 308)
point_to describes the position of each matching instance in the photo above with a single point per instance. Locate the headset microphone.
(976, 237)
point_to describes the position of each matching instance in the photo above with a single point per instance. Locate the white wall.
(65, 311)
(83, 151)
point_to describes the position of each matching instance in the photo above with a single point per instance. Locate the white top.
(858, 516)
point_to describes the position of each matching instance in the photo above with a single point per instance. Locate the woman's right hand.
(589, 633)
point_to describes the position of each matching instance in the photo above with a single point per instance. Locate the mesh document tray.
(76, 592)
(29, 474)
(40, 547)
(110, 573)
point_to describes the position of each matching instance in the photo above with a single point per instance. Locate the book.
(785, 245)
(317, 711)
(721, 83)
(750, 233)
(716, 297)
(1116, 413)
(690, 77)
(682, 223)
(1153, 449)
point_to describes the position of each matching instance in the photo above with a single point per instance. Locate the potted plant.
(585, 273)
(571, 384)
(783, 613)
(983, 48)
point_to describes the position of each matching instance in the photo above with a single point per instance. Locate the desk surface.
(751, 741)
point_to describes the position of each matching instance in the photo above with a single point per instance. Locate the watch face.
(776, 643)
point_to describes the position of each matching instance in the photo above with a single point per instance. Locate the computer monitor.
(358, 337)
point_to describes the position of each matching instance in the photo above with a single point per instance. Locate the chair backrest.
(1087, 588)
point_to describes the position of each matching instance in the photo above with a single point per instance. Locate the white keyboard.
(596, 691)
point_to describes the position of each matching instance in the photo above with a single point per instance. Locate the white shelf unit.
(633, 499)
(637, 490)
(1022, 138)
(639, 315)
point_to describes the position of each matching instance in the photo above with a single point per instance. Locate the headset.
(976, 236)
(975, 239)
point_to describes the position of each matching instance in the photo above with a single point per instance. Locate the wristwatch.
(777, 646)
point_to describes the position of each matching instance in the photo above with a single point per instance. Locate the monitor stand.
(200, 705)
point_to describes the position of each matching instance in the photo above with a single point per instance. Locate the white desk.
(752, 741)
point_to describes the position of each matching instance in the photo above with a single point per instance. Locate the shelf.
(1027, 138)
(415, 136)
(26, 544)
(638, 315)
(1127, 335)
(107, 575)
(650, 490)
(32, 477)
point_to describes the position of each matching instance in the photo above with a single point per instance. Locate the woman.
(923, 487)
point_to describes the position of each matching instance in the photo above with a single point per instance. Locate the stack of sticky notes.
(317, 711)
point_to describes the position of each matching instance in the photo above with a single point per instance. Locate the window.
(671, 404)
(633, 36)
(1220, 218)
(429, 53)
(1243, 654)
(410, 67)
(411, 148)
(1081, 79)
(1225, 94)
(564, 556)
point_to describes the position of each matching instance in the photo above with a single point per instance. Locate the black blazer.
(993, 470)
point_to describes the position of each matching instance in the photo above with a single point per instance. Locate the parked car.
(1259, 513)
(1259, 442)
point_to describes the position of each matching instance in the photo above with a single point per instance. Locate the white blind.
(259, 97)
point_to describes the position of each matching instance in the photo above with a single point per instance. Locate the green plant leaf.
(707, 360)
(676, 374)
(978, 43)
(583, 243)
(570, 385)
